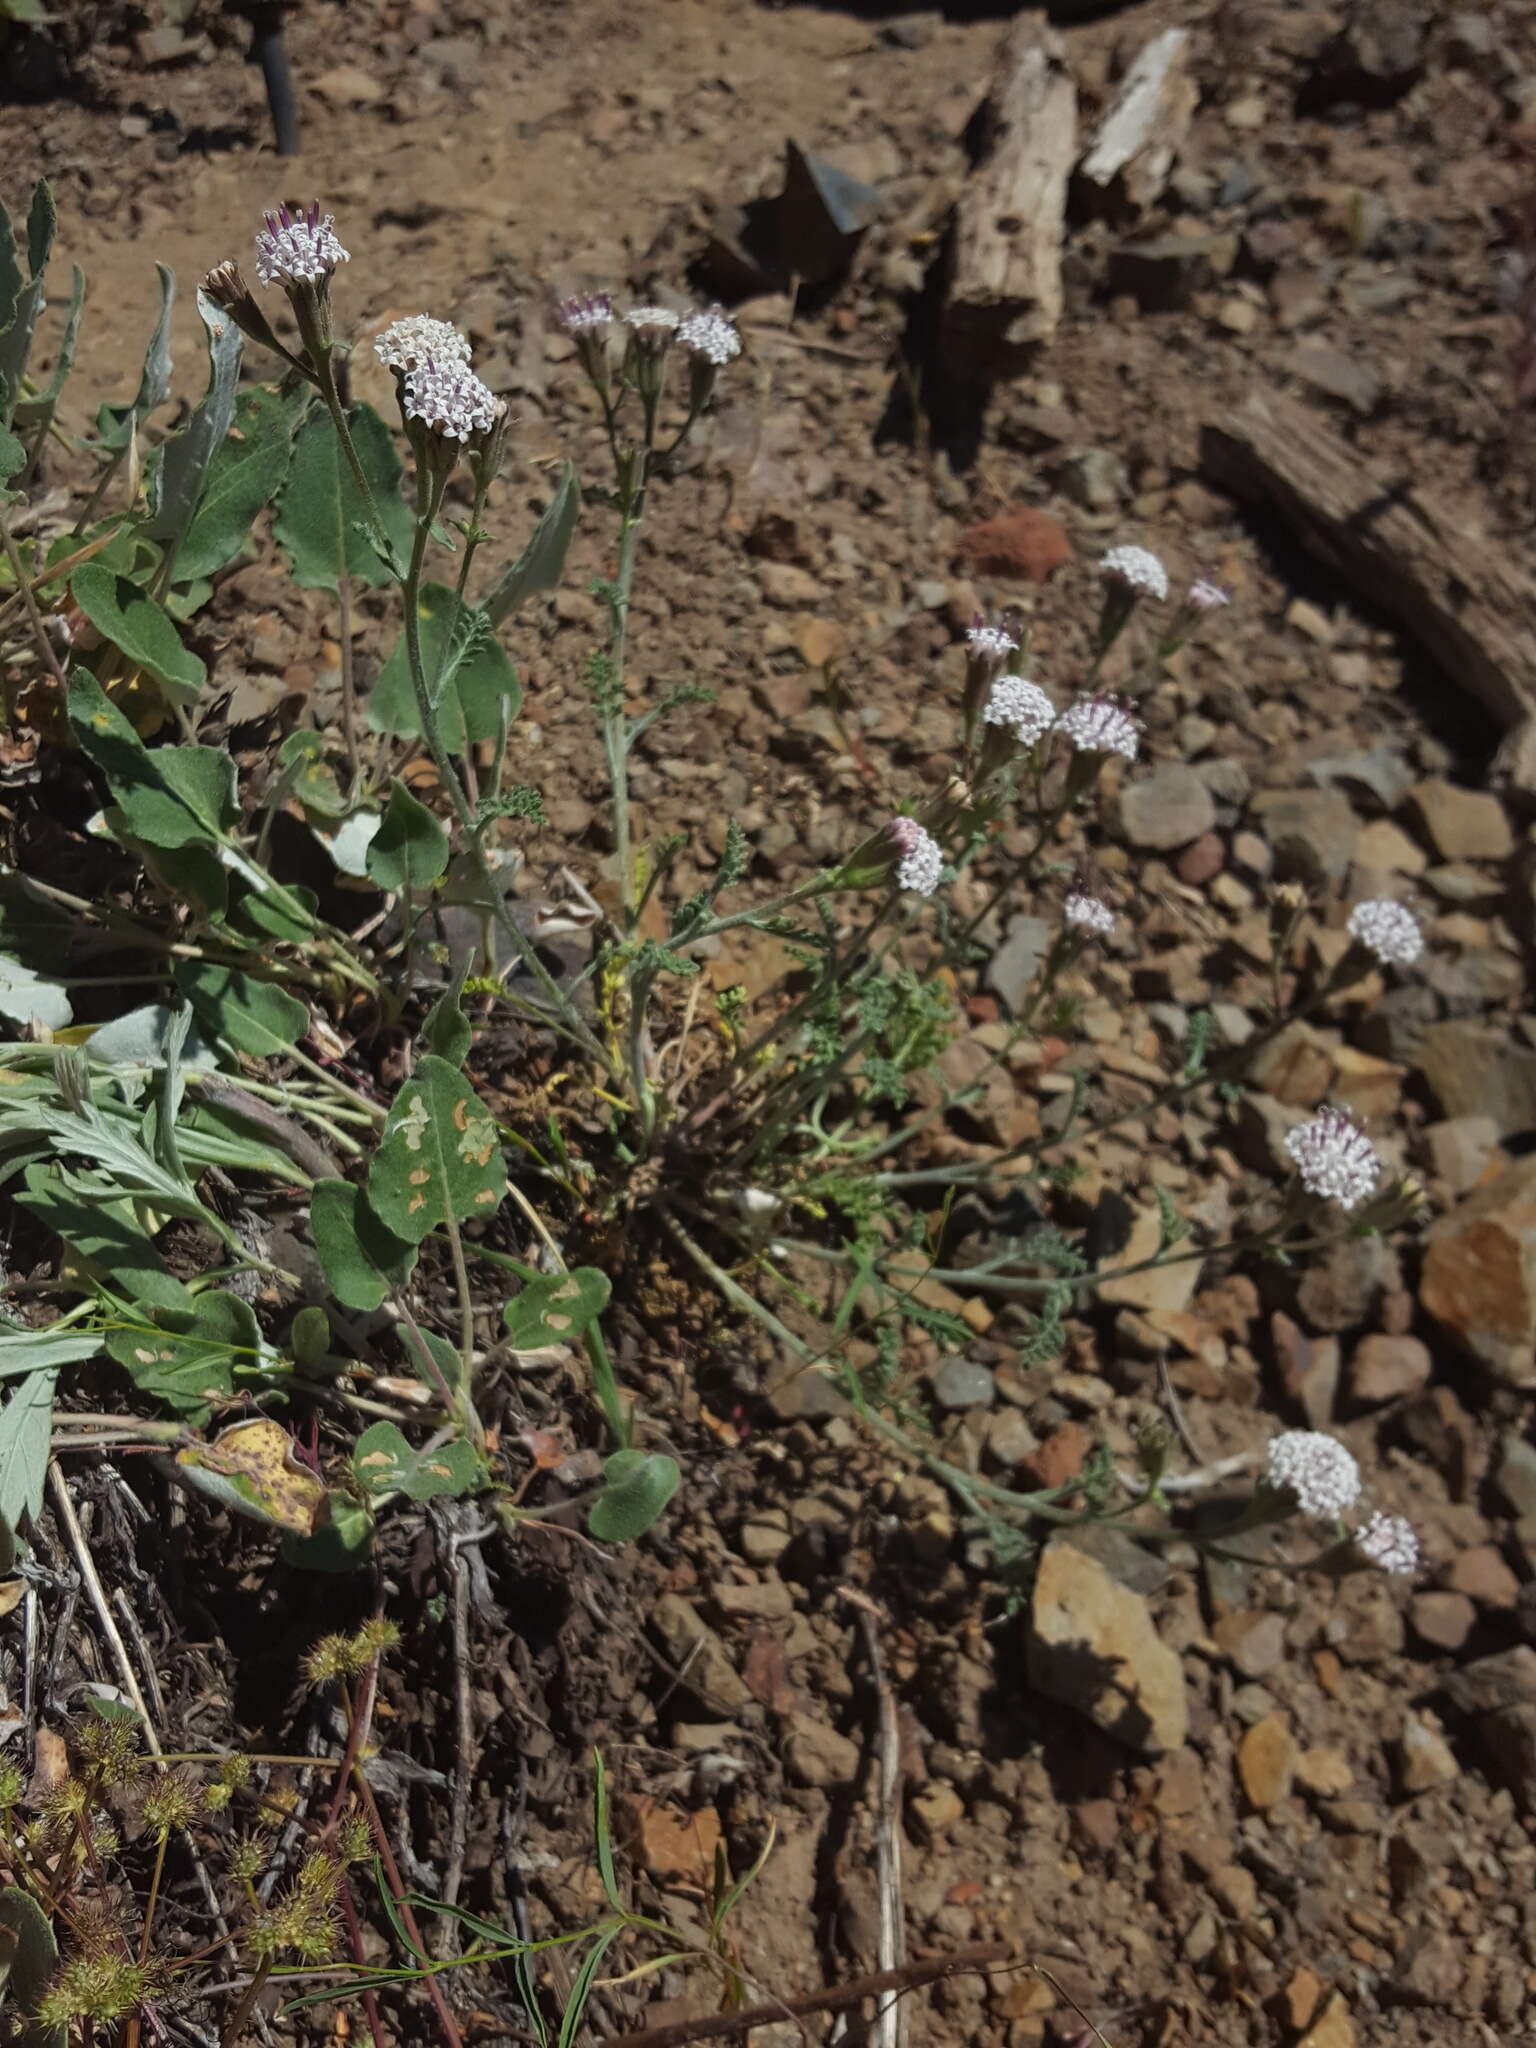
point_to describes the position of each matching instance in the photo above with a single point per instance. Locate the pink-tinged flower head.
(1100, 725)
(989, 643)
(1316, 1469)
(1135, 569)
(586, 313)
(1085, 913)
(1207, 597)
(405, 344)
(298, 248)
(1022, 706)
(1334, 1158)
(449, 399)
(922, 858)
(1387, 930)
(710, 335)
(1391, 1542)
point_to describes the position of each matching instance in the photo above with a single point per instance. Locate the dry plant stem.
(242, 2012)
(70, 1522)
(348, 681)
(835, 1998)
(34, 616)
(464, 1760)
(890, 2013)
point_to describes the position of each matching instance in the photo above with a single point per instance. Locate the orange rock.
(1020, 541)
(670, 1843)
(1266, 1760)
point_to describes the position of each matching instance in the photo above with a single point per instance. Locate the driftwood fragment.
(1004, 285)
(1132, 153)
(1460, 597)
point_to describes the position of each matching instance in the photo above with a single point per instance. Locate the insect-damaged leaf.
(385, 1463)
(251, 1468)
(438, 1156)
(556, 1309)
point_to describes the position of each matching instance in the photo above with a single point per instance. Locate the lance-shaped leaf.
(447, 1031)
(26, 1429)
(322, 517)
(557, 1308)
(115, 424)
(252, 1016)
(473, 679)
(181, 469)
(542, 563)
(438, 1157)
(107, 1243)
(169, 797)
(246, 473)
(385, 1463)
(38, 410)
(410, 851)
(131, 620)
(363, 1262)
(20, 304)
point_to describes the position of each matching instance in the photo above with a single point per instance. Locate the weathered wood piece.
(1459, 596)
(1138, 139)
(1004, 292)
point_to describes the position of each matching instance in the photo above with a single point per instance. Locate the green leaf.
(602, 1836)
(438, 1156)
(542, 563)
(447, 1031)
(171, 797)
(247, 472)
(309, 1336)
(322, 518)
(472, 683)
(138, 1039)
(304, 760)
(137, 626)
(181, 471)
(38, 410)
(26, 1351)
(362, 1261)
(269, 917)
(12, 455)
(385, 1462)
(21, 304)
(186, 1358)
(557, 1308)
(115, 424)
(26, 1430)
(410, 850)
(34, 1956)
(25, 994)
(636, 1488)
(252, 1016)
(341, 1540)
(107, 1240)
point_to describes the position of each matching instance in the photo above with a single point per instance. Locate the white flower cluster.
(1391, 1542)
(1135, 569)
(449, 399)
(662, 318)
(1335, 1159)
(405, 344)
(710, 335)
(1207, 597)
(1315, 1468)
(1324, 1481)
(1021, 705)
(922, 858)
(1085, 913)
(1098, 725)
(989, 643)
(298, 248)
(1388, 930)
(586, 313)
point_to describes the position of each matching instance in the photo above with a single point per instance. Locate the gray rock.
(1313, 833)
(1092, 1645)
(1462, 824)
(1385, 774)
(1515, 1473)
(1337, 375)
(1168, 808)
(961, 1383)
(690, 1642)
(1095, 479)
(1227, 780)
(1012, 967)
(1473, 1071)
(1341, 1287)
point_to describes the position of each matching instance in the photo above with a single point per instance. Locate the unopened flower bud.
(225, 284)
(588, 319)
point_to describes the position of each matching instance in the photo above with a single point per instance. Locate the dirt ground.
(1341, 1850)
